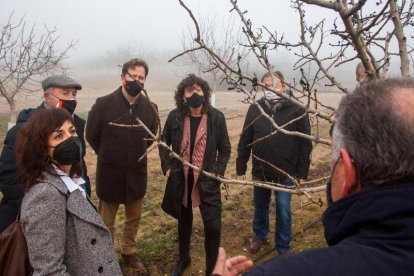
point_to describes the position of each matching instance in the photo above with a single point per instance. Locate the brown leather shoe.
(255, 246)
(133, 261)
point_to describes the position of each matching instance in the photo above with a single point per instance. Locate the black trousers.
(212, 232)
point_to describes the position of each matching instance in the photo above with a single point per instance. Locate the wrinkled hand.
(231, 267)
(167, 173)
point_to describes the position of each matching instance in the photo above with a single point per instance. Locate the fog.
(108, 32)
(100, 25)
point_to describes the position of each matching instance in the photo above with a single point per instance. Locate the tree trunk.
(13, 114)
(402, 40)
(213, 99)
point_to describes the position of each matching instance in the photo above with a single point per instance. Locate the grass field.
(157, 239)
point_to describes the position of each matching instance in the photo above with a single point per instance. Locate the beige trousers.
(108, 211)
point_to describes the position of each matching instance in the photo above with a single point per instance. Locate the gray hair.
(49, 90)
(278, 74)
(376, 125)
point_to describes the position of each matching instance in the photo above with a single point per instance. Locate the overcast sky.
(157, 26)
(100, 25)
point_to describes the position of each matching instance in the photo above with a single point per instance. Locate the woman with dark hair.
(198, 133)
(64, 233)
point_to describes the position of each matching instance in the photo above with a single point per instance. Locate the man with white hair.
(59, 92)
(369, 222)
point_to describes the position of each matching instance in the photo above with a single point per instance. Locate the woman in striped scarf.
(198, 133)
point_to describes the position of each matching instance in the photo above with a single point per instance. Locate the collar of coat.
(383, 213)
(76, 203)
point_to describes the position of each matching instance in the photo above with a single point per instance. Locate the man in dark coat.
(287, 152)
(113, 132)
(369, 222)
(59, 92)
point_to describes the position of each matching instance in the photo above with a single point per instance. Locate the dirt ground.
(157, 239)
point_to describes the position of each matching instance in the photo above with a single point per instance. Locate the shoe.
(133, 261)
(255, 246)
(181, 266)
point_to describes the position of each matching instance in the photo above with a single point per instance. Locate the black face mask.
(68, 152)
(133, 88)
(69, 105)
(195, 100)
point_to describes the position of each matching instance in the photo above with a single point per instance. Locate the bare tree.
(25, 55)
(125, 51)
(259, 42)
(360, 32)
(225, 45)
(364, 29)
(401, 17)
(356, 42)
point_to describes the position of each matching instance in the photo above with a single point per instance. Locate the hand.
(241, 177)
(231, 267)
(300, 180)
(167, 173)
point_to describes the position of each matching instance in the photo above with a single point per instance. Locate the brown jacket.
(120, 178)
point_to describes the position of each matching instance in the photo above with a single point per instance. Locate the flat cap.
(60, 81)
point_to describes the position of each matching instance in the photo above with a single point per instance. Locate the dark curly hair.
(189, 82)
(32, 146)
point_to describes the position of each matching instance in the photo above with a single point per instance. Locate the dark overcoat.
(120, 176)
(216, 156)
(368, 233)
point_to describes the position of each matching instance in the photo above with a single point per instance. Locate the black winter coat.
(287, 152)
(368, 233)
(216, 156)
(13, 191)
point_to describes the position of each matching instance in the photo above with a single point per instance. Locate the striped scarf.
(197, 158)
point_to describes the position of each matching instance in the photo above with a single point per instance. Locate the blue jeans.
(283, 231)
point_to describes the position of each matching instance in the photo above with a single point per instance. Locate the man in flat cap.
(59, 92)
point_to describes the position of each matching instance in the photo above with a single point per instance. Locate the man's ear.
(123, 79)
(350, 173)
(46, 97)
